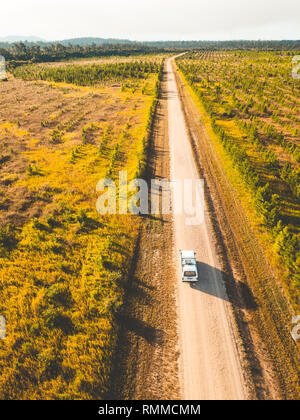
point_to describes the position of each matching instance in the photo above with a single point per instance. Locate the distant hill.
(13, 38)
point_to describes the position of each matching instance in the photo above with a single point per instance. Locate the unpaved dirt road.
(210, 367)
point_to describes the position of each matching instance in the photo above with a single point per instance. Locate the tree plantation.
(253, 103)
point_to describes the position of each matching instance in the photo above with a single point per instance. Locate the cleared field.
(252, 103)
(63, 267)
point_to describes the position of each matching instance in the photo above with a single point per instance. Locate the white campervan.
(189, 266)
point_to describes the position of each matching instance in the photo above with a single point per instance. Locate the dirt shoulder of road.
(146, 366)
(261, 311)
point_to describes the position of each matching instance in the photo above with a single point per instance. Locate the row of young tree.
(287, 173)
(266, 85)
(267, 204)
(252, 102)
(88, 75)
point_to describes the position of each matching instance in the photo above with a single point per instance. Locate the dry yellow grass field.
(63, 267)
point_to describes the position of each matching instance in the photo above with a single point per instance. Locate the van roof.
(190, 268)
(187, 254)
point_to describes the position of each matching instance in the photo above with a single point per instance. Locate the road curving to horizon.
(210, 365)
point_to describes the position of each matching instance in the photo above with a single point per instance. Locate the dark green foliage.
(7, 238)
(59, 294)
(292, 178)
(21, 53)
(56, 136)
(55, 318)
(288, 246)
(88, 47)
(88, 75)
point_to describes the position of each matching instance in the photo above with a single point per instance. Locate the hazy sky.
(152, 19)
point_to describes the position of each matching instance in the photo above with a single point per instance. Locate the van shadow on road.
(208, 285)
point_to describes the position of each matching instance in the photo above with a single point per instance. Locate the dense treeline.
(87, 75)
(229, 45)
(88, 47)
(35, 53)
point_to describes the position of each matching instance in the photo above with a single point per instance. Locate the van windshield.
(190, 274)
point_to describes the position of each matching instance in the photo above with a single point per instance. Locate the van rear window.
(190, 274)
